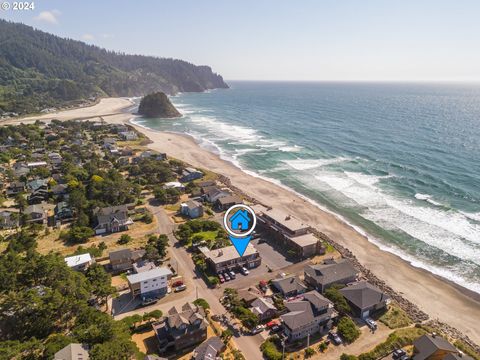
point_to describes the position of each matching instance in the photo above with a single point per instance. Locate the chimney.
(434, 334)
(287, 217)
(220, 253)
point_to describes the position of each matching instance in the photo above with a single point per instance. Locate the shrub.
(348, 329)
(334, 295)
(202, 303)
(309, 352)
(322, 347)
(78, 234)
(347, 357)
(270, 351)
(124, 239)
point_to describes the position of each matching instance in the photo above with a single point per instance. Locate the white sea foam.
(294, 148)
(449, 231)
(306, 164)
(427, 198)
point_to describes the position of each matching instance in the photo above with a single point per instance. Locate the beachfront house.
(289, 231)
(128, 135)
(181, 328)
(227, 258)
(149, 284)
(192, 209)
(190, 174)
(308, 316)
(289, 286)
(364, 298)
(225, 202)
(80, 262)
(435, 347)
(330, 272)
(112, 219)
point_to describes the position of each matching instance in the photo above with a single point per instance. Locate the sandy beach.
(438, 298)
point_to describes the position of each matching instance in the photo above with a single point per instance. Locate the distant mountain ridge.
(40, 70)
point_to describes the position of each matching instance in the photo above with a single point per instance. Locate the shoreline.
(440, 298)
(468, 292)
(417, 285)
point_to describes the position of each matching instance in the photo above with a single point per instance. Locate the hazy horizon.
(431, 41)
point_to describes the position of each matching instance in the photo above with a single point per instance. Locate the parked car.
(148, 301)
(275, 329)
(232, 274)
(177, 283)
(180, 288)
(335, 338)
(226, 276)
(244, 271)
(398, 354)
(257, 329)
(371, 323)
(221, 278)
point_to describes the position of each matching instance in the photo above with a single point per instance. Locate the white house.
(79, 262)
(150, 284)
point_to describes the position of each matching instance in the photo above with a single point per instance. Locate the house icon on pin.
(240, 220)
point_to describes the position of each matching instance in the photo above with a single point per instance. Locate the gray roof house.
(331, 272)
(209, 349)
(314, 313)
(263, 308)
(289, 286)
(364, 298)
(192, 209)
(433, 346)
(112, 219)
(8, 219)
(36, 213)
(190, 174)
(124, 259)
(182, 328)
(72, 352)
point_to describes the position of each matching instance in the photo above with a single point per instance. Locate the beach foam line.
(307, 164)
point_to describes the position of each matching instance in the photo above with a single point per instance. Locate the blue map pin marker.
(240, 243)
(243, 219)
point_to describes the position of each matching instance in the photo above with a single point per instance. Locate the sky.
(348, 40)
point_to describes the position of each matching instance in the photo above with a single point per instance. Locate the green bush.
(309, 352)
(270, 351)
(202, 303)
(124, 239)
(348, 329)
(347, 357)
(322, 347)
(334, 295)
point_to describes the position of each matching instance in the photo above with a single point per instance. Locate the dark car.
(335, 338)
(398, 354)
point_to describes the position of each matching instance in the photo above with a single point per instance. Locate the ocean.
(400, 161)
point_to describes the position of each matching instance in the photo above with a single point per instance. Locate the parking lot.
(271, 256)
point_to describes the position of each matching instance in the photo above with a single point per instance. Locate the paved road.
(248, 345)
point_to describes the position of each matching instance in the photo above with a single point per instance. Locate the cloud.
(88, 37)
(49, 16)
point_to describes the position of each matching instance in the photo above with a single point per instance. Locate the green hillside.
(40, 70)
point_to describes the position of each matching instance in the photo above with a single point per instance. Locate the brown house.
(432, 347)
(181, 328)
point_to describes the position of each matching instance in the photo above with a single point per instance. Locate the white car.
(371, 323)
(244, 270)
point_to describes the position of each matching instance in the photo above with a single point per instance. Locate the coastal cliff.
(157, 105)
(39, 70)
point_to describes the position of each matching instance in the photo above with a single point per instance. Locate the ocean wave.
(307, 164)
(449, 231)
(294, 148)
(428, 198)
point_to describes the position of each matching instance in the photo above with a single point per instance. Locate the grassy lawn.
(395, 318)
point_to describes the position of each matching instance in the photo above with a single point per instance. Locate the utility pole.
(308, 340)
(196, 289)
(283, 349)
